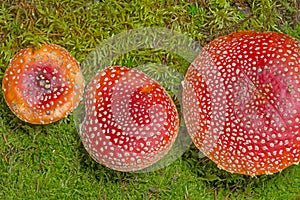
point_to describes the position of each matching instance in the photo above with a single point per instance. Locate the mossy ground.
(49, 162)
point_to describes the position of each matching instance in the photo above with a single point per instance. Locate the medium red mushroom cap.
(131, 122)
(42, 86)
(241, 102)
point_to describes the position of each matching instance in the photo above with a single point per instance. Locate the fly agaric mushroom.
(42, 86)
(241, 102)
(130, 120)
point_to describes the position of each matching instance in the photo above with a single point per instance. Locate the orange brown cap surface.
(42, 86)
(241, 101)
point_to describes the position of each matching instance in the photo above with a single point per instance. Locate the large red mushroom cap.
(130, 120)
(42, 86)
(241, 101)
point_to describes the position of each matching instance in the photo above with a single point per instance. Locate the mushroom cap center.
(43, 84)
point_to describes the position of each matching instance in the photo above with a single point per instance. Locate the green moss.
(49, 162)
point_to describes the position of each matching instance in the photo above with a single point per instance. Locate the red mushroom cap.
(241, 102)
(42, 86)
(130, 122)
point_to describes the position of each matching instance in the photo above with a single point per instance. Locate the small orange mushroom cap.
(241, 102)
(42, 86)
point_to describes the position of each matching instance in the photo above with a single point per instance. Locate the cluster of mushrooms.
(241, 104)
